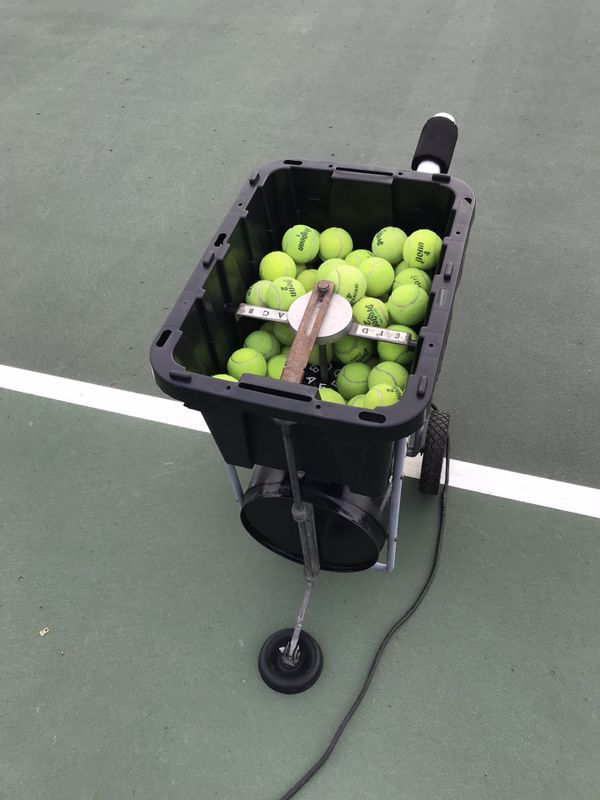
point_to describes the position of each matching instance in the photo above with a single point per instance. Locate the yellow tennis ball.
(285, 350)
(264, 342)
(399, 267)
(353, 379)
(356, 257)
(382, 395)
(349, 282)
(328, 266)
(358, 401)
(246, 361)
(269, 327)
(371, 311)
(408, 304)
(352, 348)
(282, 292)
(388, 243)
(413, 275)
(301, 242)
(422, 249)
(257, 293)
(379, 274)
(334, 243)
(222, 377)
(308, 278)
(283, 333)
(388, 351)
(331, 396)
(388, 372)
(300, 269)
(277, 265)
(276, 366)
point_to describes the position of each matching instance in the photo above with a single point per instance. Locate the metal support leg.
(234, 480)
(303, 514)
(399, 458)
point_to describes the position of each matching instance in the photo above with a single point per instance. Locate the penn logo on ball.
(388, 243)
(301, 243)
(422, 249)
(282, 292)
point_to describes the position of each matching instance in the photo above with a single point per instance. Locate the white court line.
(104, 398)
(463, 475)
(518, 486)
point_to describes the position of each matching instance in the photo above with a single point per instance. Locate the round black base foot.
(284, 679)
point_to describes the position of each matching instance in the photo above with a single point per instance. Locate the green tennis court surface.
(126, 131)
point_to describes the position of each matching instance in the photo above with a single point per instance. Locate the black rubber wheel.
(284, 679)
(434, 452)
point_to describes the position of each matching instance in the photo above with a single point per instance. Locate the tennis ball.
(282, 292)
(328, 266)
(387, 351)
(334, 243)
(331, 396)
(308, 279)
(358, 401)
(276, 366)
(349, 282)
(382, 395)
(379, 274)
(372, 362)
(223, 377)
(264, 343)
(284, 333)
(269, 327)
(314, 357)
(357, 256)
(422, 249)
(352, 348)
(285, 350)
(413, 275)
(408, 304)
(257, 293)
(399, 267)
(388, 243)
(352, 379)
(300, 269)
(370, 311)
(277, 265)
(301, 242)
(388, 372)
(246, 361)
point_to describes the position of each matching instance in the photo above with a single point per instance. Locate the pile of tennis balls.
(387, 287)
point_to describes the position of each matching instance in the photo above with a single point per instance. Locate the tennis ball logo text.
(372, 315)
(421, 252)
(302, 240)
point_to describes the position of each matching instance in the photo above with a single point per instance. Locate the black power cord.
(386, 639)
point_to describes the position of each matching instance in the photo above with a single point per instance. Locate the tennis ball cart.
(326, 481)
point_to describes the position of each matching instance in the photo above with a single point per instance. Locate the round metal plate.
(336, 323)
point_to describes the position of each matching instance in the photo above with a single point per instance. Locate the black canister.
(351, 528)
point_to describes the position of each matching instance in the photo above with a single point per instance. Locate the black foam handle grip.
(436, 143)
